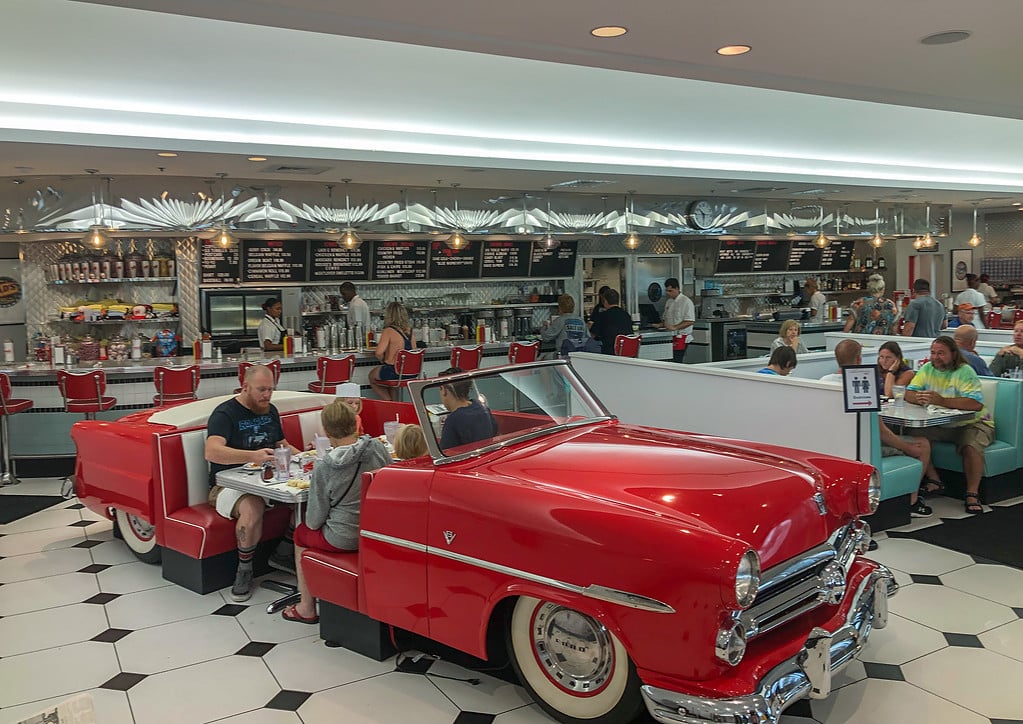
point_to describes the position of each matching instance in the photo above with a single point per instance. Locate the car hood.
(715, 484)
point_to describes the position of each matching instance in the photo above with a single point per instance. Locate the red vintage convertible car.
(617, 566)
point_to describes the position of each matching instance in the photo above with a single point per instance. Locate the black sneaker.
(242, 588)
(283, 561)
(919, 509)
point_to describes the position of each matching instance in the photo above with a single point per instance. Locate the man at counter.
(966, 337)
(679, 315)
(965, 314)
(358, 310)
(949, 382)
(611, 322)
(974, 298)
(985, 288)
(246, 429)
(925, 315)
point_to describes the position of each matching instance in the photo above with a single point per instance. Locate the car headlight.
(730, 645)
(874, 491)
(747, 579)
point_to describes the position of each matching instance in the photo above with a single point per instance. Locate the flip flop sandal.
(926, 489)
(291, 614)
(974, 507)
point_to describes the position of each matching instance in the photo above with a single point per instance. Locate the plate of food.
(299, 483)
(252, 466)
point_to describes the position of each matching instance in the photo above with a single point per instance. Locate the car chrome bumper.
(808, 673)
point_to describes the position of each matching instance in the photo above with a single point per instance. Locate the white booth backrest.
(798, 413)
(194, 414)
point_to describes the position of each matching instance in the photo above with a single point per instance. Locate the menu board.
(447, 263)
(505, 259)
(274, 261)
(838, 255)
(551, 263)
(771, 255)
(330, 261)
(399, 260)
(219, 265)
(804, 256)
(736, 257)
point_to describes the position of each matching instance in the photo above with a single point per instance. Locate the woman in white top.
(271, 333)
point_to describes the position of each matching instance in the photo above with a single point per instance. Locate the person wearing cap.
(975, 299)
(351, 394)
(965, 314)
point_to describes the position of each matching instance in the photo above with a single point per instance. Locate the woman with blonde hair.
(788, 336)
(409, 442)
(396, 336)
(872, 314)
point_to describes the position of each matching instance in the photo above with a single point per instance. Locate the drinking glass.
(899, 393)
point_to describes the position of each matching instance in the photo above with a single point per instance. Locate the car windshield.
(465, 414)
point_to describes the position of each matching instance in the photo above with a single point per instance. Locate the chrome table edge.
(793, 679)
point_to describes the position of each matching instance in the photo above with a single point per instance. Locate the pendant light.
(349, 239)
(632, 240)
(927, 241)
(974, 240)
(224, 238)
(549, 241)
(878, 241)
(822, 241)
(97, 237)
(457, 240)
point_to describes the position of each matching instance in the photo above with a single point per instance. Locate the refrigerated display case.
(232, 316)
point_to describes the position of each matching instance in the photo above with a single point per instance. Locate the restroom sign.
(860, 385)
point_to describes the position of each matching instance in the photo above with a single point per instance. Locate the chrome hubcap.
(141, 529)
(574, 650)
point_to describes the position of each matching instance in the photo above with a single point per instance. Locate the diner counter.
(759, 335)
(44, 430)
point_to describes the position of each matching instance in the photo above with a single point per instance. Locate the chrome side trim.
(793, 679)
(595, 591)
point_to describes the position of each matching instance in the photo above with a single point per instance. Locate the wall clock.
(700, 214)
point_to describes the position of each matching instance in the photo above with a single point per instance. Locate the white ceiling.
(520, 96)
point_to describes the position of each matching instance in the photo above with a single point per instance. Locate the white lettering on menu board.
(400, 260)
(270, 262)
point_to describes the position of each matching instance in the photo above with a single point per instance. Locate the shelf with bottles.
(107, 322)
(125, 280)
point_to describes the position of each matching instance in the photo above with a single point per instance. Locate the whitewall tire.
(575, 668)
(139, 535)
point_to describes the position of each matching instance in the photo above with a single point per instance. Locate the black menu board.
(447, 263)
(219, 264)
(838, 255)
(330, 261)
(274, 261)
(558, 262)
(804, 256)
(771, 255)
(736, 257)
(399, 260)
(505, 259)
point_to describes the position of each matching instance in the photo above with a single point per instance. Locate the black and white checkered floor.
(79, 613)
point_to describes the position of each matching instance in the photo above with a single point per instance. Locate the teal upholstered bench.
(900, 476)
(1005, 455)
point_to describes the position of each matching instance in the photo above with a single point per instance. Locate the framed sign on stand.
(962, 264)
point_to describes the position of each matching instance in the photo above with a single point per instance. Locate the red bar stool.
(8, 406)
(84, 392)
(274, 365)
(993, 320)
(1016, 316)
(627, 345)
(466, 358)
(175, 384)
(331, 372)
(408, 366)
(521, 352)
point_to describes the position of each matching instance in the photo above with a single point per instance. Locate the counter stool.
(466, 358)
(82, 392)
(8, 406)
(331, 372)
(408, 366)
(627, 345)
(522, 352)
(274, 365)
(175, 384)
(1016, 316)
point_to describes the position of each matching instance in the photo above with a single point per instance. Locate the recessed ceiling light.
(1017, 203)
(609, 31)
(167, 154)
(945, 37)
(734, 50)
(257, 158)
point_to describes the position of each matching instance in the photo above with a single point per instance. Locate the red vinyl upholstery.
(333, 577)
(175, 384)
(331, 372)
(10, 405)
(520, 352)
(84, 391)
(274, 365)
(466, 358)
(408, 366)
(628, 345)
